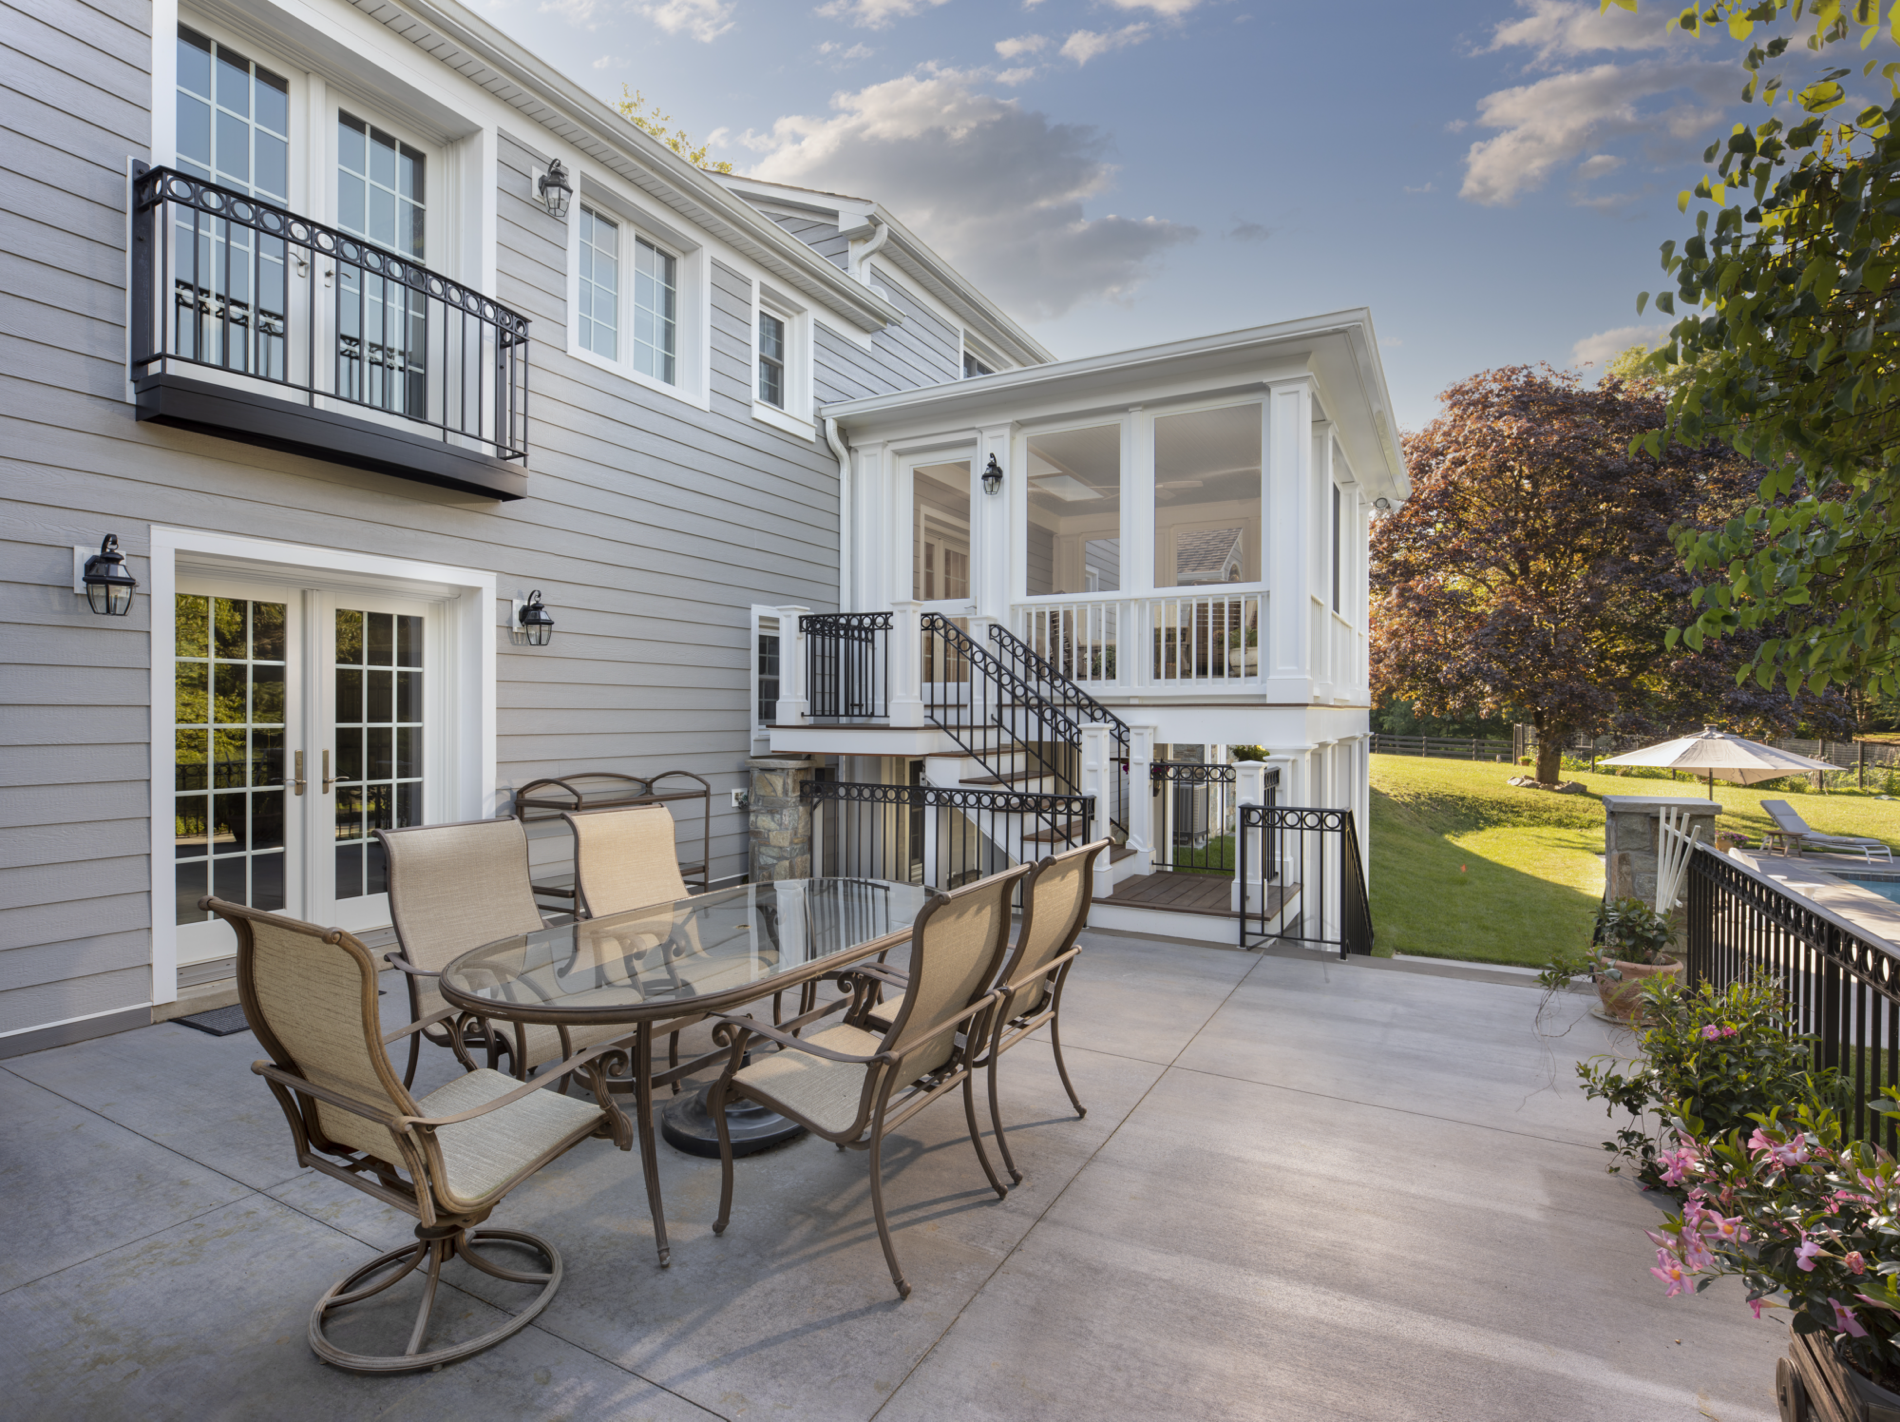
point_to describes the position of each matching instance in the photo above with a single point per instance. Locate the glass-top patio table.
(661, 968)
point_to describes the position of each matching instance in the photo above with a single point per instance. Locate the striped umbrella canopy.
(1712, 753)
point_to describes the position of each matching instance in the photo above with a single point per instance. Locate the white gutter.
(862, 252)
(845, 516)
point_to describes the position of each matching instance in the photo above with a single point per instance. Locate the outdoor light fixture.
(533, 621)
(108, 585)
(1382, 505)
(992, 476)
(554, 189)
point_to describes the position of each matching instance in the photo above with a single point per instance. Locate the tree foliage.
(635, 109)
(1531, 570)
(1787, 347)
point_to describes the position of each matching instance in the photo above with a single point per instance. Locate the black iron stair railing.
(992, 713)
(1057, 691)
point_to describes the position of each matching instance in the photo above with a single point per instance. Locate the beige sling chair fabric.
(446, 1158)
(625, 859)
(853, 1084)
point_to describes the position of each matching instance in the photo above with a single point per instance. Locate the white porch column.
(1141, 830)
(906, 703)
(1098, 779)
(991, 542)
(792, 702)
(1289, 537)
(1250, 788)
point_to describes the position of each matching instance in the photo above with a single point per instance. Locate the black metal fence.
(1302, 879)
(1843, 989)
(944, 838)
(847, 665)
(227, 283)
(993, 713)
(1057, 691)
(1443, 747)
(1194, 815)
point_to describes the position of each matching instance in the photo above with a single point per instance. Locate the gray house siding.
(824, 238)
(650, 526)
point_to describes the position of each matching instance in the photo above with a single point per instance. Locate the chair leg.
(415, 1055)
(1055, 1040)
(673, 1056)
(877, 1208)
(716, 1107)
(996, 1121)
(976, 1135)
(649, 1147)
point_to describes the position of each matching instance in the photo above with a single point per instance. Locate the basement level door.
(304, 721)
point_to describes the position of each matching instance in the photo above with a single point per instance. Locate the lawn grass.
(1465, 865)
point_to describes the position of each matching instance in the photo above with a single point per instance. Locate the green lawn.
(1467, 866)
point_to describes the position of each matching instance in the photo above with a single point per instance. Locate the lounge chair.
(1796, 836)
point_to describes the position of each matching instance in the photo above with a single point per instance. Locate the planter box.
(1813, 1385)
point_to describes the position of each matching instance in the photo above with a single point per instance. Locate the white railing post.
(1141, 800)
(1098, 779)
(1250, 788)
(792, 702)
(907, 702)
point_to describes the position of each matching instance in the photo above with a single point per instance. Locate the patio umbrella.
(1713, 753)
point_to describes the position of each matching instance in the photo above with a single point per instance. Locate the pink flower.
(1755, 1303)
(1730, 1031)
(1669, 1269)
(1845, 1321)
(1711, 1032)
(1805, 1255)
(1729, 1231)
(1790, 1152)
(1853, 1260)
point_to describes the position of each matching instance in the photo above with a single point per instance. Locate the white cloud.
(1013, 77)
(875, 14)
(575, 12)
(855, 52)
(1604, 345)
(998, 189)
(1022, 44)
(1599, 165)
(1390, 343)
(609, 61)
(1425, 188)
(1555, 119)
(1249, 231)
(1562, 29)
(1084, 45)
(704, 20)
(1167, 9)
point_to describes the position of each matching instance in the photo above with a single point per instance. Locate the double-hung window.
(599, 303)
(655, 311)
(772, 359)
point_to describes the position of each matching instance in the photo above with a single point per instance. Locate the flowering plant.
(1631, 931)
(1720, 1056)
(1806, 1219)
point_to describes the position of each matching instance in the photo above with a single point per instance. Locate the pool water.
(1886, 888)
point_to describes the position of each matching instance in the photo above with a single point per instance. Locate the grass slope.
(1465, 865)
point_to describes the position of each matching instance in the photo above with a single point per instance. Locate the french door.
(305, 721)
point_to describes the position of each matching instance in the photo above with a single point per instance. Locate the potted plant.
(1808, 1222)
(1632, 946)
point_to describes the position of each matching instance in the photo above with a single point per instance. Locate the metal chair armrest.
(441, 1015)
(753, 1027)
(549, 1077)
(402, 964)
(305, 1087)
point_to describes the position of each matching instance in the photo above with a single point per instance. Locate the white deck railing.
(1165, 640)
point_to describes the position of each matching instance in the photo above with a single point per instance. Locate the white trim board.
(469, 597)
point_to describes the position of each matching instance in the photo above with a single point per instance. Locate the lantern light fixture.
(992, 476)
(555, 189)
(108, 585)
(1382, 505)
(535, 623)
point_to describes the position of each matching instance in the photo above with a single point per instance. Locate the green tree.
(635, 109)
(1787, 347)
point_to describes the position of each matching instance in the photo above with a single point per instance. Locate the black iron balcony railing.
(251, 321)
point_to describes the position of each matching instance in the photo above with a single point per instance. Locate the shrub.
(1631, 931)
(1723, 1058)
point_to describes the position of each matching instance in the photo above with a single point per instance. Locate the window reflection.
(1073, 542)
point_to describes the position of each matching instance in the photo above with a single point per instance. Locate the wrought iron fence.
(847, 665)
(1843, 988)
(226, 283)
(1195, 829)
(940, 837)
(1058, 691)
(995, 714)
(1302, 879)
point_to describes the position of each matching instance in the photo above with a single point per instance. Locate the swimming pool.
(1887, 888)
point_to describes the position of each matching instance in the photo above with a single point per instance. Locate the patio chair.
(456, 887)
(1056, 899)
(851, 1085)
(1796, 835)
(448, 1158)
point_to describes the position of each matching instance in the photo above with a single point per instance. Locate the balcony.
(254, 324)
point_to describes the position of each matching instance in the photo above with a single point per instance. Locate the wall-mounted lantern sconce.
(554, 189)
(992, 476)
(103, 578)
(1382, 505)
(533, 623)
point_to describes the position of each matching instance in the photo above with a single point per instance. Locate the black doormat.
(219, 1022)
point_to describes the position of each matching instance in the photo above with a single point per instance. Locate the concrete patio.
(1304, 1190)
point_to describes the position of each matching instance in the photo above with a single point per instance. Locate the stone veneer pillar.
(1632, 833)
(778, 819)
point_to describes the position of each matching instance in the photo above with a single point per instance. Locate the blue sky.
(1491, 177)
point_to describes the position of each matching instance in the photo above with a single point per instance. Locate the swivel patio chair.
(852, 1085)
(453, 888)
(448, 1159)
(1056, 900)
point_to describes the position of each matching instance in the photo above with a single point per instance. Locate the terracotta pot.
(1813, 1384)
(1623, 998)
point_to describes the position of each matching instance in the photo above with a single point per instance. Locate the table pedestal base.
(689, 1126)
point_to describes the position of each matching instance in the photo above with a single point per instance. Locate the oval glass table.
(659, 969)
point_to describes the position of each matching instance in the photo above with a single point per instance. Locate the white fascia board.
(489, 59)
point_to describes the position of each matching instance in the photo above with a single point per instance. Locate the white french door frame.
(468, 649)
